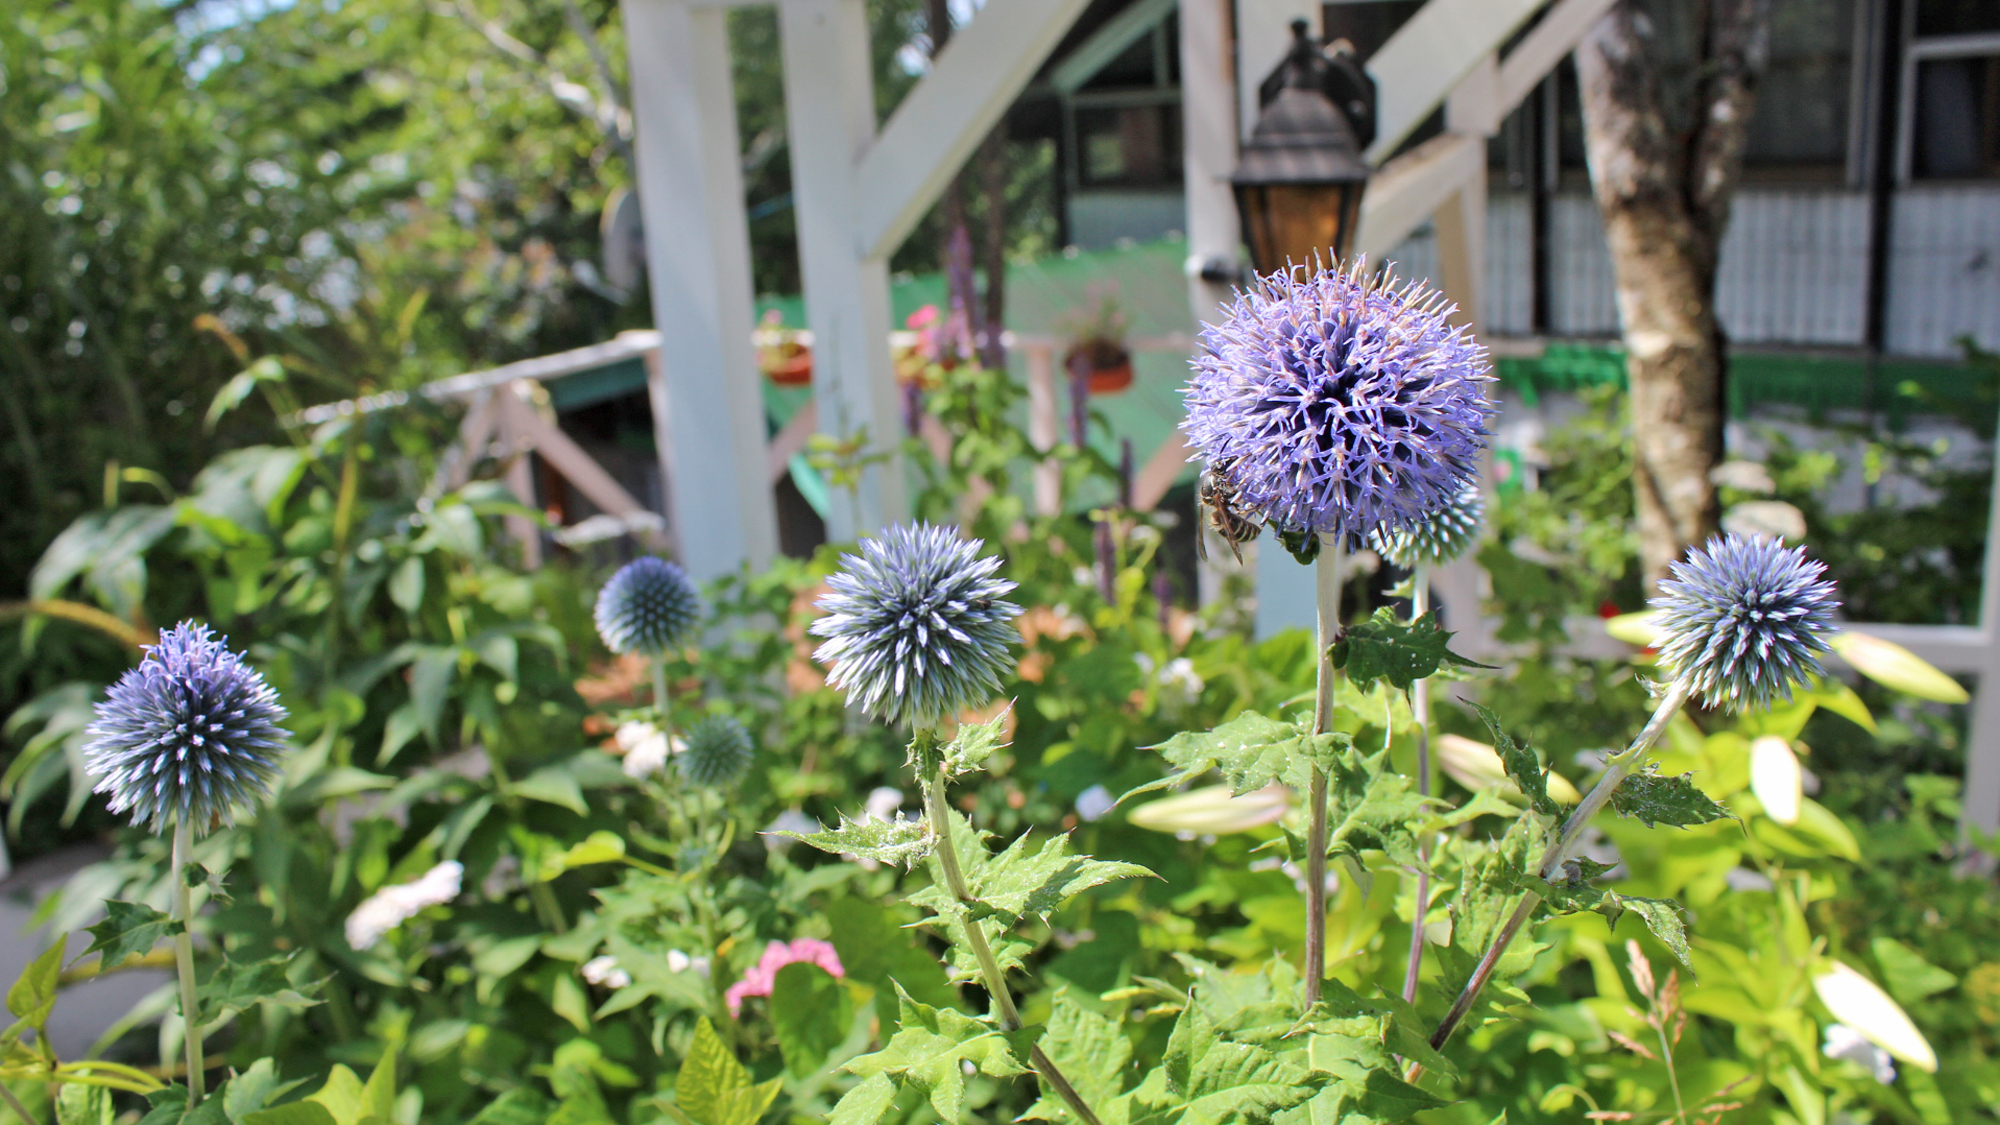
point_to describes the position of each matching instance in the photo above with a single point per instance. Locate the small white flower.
(1843, 1042)
(392, 906)
(700, 966)
(648, 751)
(605, 973)
(678, 962)
(1094, 802)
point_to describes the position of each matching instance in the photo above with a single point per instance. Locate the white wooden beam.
(830, 112)
(1107, 43)
(568, 458)
(1545, 45)
(708, 409)
(1209, 146)
(950, 112)
(1409, 189)
(1430, 54)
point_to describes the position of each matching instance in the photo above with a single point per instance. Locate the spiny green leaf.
(1401, 652)
(129, 929)
(1656, 799)
(1574, 893)
(236, 986)
(1090, 1050)
(974, 743)
(928, 1052)
(1522, 766)
(866, 1103)
(811, 1014)
(904, 843)
(1212, 1080)
(714, 1089)
(1390, 1023)
(1252, 751)
(1019, 883)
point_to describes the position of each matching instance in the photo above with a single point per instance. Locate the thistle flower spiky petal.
(915, 626)
(718, 752)
(1448, 533)
(647, 607)
(1334, 403)
(1744, 620)
(188, 736)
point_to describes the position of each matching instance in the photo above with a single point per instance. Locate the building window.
(1955, 120)
(1129, 145)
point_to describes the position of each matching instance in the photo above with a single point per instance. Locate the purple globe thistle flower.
(718, 752)
(1448, 533)
(647, 607)
(188, 735)
(915, 626)
(1336, 404)
(1743, 620)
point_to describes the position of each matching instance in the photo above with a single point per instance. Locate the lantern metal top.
(1303, 134)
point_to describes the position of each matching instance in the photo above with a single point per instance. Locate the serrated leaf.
(1252, 751)
(1372, 808)
(237, 986)
(1090, 1050)
(1657, 799)
(1526, 770)
(342, 1096)
(974, 743)
(1574, 893)
(715, 1089)
(1212, 1080)
(1389, 1023)
(1019, 883)
(904, 843)
(811, 1014)
(78, 1104)
(250, 1090)
(129, 929)
(866, 1103)
(33, 995)
(1401, 652)
(929, 1051)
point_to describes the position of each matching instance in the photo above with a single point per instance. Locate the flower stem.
(1618, 769)
(661, 702)
(1326, 582)
(184, 954)
(1420, 709)
(989, 965)
(15, 1102)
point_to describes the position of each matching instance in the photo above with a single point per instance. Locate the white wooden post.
(830, 113)
(708, 408)
(1044, 423)
(1209, 131)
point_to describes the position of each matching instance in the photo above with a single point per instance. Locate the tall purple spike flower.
(1335, 403)
(1743, 620)
(189, 735)
(916, 629)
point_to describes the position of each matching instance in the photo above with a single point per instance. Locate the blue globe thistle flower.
(1743, 620)
(717, 753)
(915, 626)
(188, 735)
(1332, 403)
(1448, 533)
(647, 607)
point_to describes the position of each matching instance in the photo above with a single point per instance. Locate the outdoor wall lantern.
(1299, 184)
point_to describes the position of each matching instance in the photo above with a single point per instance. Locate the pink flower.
(763, 976)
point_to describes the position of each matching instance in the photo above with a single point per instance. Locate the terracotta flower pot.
(792, 370)
(1110, 366)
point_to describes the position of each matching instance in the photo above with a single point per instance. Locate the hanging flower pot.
(789, 370)
(1107, 364)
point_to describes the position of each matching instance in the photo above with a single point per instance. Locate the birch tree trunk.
(1664, 193)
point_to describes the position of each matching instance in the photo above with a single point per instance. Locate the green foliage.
(1401, 652)
(928, 1053)
(714, 1089)
(1522, 766)
(1653, 799)
(129, 929)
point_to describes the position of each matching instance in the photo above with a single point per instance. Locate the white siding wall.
(1794, 268)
